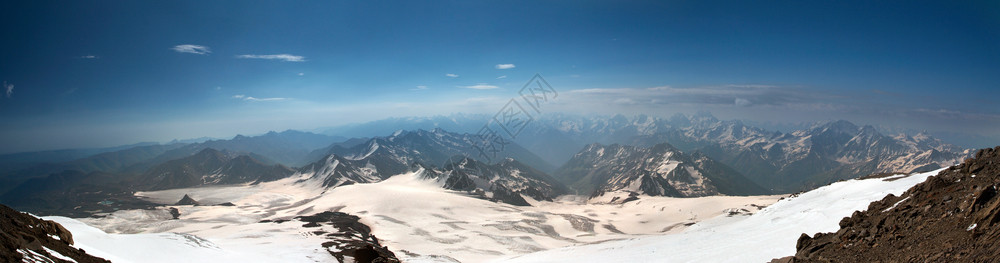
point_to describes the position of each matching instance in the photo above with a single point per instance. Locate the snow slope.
(237, 243)
(417, 219)
(769, 234)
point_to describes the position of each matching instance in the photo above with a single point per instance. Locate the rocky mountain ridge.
(805, 159)
(784, 162)
(660, 170)
(210, 167)
(953, 216)
(404, 151)
(505, 181)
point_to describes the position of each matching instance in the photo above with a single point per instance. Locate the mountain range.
(682, 156)
(210, 167)
(660, 170)
(382, 157)
(505, 181)
(781, 162)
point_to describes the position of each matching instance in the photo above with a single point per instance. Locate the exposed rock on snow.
(25, 238)
(351, 241)
(187, 200)
(952, 217)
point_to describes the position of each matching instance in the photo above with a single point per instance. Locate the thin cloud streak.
(193, 49)
(253, 99)
(283, 57)
(481, 86)
(505, 66)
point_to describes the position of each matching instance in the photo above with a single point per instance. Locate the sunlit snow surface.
(771, 233)
(421, 222)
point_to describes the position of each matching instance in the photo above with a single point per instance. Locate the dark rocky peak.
(663, 148)
(212, 154)
(592, 147)
(244, 160)
(187, 200)
(460, 162)
(703, 117)
(679, 120)
(418, 165)
(868, 129)
(836, 127)
(504, 181)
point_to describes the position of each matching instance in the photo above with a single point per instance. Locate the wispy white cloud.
(502, 77)
(302, 74)
(742, 102)
(193, 49)
(482, 86)
(421, 87)
(285, 57)
(505, 66)
(89, 57)
(9, 88)
(253, 99)
(450, 75)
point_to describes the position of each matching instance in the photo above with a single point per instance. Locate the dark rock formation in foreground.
(350, 240)
(952, 217)
(25, 238)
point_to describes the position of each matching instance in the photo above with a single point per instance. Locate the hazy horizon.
(81, 75)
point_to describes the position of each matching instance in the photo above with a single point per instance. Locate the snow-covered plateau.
(422, 222)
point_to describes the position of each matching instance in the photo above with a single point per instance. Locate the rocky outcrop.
(187, 200)
(350, 240)
(25, 238)
(952, 217)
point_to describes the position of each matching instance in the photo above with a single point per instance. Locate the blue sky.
(86, 74)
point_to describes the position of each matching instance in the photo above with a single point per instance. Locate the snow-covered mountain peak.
(660, 170)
